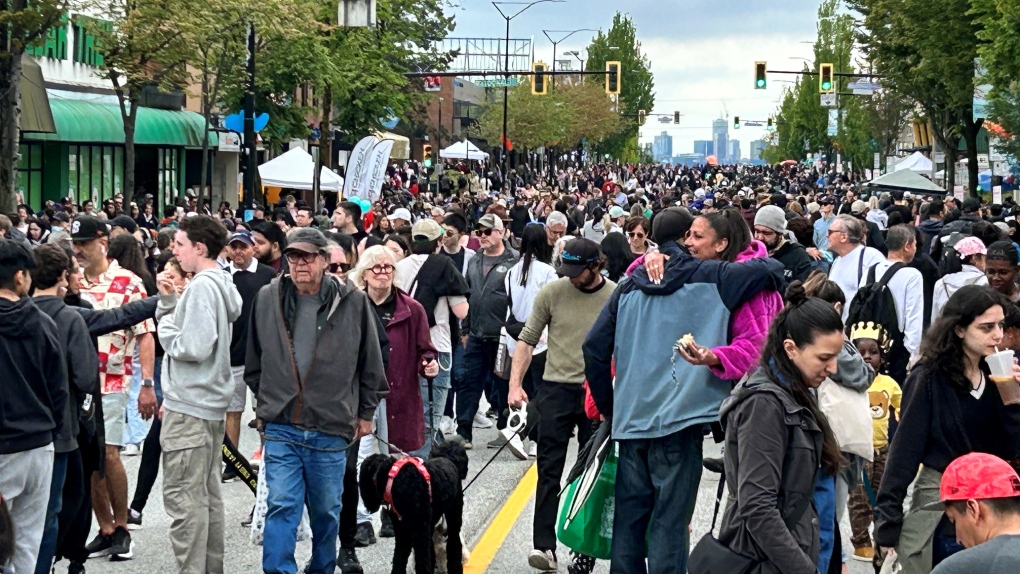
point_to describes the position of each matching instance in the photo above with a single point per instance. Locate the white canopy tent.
(905, 180)
(464, 150)
(294, 169)
(914, 162)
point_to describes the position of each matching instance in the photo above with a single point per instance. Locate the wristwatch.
(148, 383)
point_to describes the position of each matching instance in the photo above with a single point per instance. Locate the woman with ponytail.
(777, 440)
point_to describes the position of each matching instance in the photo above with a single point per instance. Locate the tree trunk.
(10, 122)
(129, 152)
(970, 133)
(206, 112)
(326, 133)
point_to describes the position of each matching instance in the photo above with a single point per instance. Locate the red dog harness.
(420, 465)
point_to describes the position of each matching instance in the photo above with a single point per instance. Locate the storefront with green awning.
(84, 155)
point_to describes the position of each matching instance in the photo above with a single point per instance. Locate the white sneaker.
(543, 560)
(533, 450)
(447, 425)
(131, 450)
(481, 421)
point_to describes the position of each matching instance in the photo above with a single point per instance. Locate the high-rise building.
(756, 148)
(720, 139)
(704, 147)
(662, 148)
(734, 148)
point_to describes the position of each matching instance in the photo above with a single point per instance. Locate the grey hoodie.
(195, 333)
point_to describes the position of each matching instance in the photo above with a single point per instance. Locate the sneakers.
(256, 459)
(465, 443)
(516, 446)
(866, 554)
(498, 442)
(533, 450)
(347, 560)
(120, 547)
(447, 425)
(100, 546)
(365, 535)
(581, 564)
(543, 560)
(131, 450)
(386, 530)
(229, 475)
(134, 519)
(481, 421)
(246, 523)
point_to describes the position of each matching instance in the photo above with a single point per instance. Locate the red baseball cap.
(977, 476)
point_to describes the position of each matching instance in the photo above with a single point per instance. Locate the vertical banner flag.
(375, 170)
(355, 165)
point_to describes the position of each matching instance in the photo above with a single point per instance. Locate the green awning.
(82, 121)
(35, 107)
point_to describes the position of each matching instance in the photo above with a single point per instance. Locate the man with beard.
(270, 241)
(770, 229)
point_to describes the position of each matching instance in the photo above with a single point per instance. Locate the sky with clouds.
(702, 52)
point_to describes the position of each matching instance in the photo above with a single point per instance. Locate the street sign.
(828, 100)
(997, 194)
(497, 83)
(664, 119)
(862, 88)
(982, 161)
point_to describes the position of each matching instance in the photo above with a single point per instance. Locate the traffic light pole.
(249, 123)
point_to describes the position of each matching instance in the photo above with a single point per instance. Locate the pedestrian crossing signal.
(612, 77)
(825, 84)
(538, 86)
(759, 75)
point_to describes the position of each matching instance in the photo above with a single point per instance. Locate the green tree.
(1000, 56)
(22, 23)
(532, 121)
(637, 84)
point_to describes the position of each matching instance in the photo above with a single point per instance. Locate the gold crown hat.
(871, 330)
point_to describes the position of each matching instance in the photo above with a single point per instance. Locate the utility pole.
(249, 123)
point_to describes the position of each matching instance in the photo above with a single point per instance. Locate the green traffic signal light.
(760, 83)
(826, 85)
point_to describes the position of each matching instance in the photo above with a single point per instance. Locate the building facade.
(734, 155)
(720, 139)
(704, 147)
(756, 148)
(662, 147)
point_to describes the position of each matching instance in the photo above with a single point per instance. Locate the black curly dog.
(447, 466)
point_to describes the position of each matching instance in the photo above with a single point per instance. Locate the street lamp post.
(568, 33)
(506, 63)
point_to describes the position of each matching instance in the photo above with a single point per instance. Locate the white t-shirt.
(907, 288)
(848, 271)
(523, 296)
(403, 277)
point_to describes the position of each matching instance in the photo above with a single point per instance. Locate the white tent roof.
(906, 180)
(401, 145)
(463, 150)
(294, 169)
(914, 162)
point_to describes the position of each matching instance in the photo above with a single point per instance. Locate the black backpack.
(874, 302)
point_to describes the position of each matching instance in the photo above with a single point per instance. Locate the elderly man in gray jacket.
(315, 364)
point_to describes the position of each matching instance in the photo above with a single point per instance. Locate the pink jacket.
(749, 325)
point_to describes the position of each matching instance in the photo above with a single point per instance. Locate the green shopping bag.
(587, 505)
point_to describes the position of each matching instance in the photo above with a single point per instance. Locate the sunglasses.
(382, 269)
(633, 235)
(486, 231)
(305, 258)
(339, 267)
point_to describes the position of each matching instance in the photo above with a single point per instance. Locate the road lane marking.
(495, 534)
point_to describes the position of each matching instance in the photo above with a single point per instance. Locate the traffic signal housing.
(736, 122)
(612, 77)
(538, 85)
(676, 118)
(770, 123)
(640, 117)
(826, 85)
(759, 75)
(426, 154)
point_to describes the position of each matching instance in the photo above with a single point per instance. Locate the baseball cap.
(427, 228)
(244, 236)
(490, 220)
(617, 211)
(970, 246)
(306, 240)
(87, 228)
(124, 222)
(970, 205)
(858, 206)
(825, 200)
(976, 476)
(577, 254)
(772, 217)
(671, 224)
(400, 213)
(61, 216)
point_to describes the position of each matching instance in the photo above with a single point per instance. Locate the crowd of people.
(836, 341)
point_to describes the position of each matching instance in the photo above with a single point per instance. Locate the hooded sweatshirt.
(195, 333)
(945, 287)
(35, 378)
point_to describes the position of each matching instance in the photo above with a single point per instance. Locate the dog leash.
(505, 444)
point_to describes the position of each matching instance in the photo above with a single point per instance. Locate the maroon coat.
(408, 332)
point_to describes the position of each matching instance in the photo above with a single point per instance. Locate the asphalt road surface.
(497, 521)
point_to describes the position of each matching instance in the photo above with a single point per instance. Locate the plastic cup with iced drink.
(1000, 365)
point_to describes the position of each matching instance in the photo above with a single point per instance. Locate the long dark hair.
(126, 250)
(942, 349)
(616, 250)
(534, 247)
(729, 224)
(802, 320)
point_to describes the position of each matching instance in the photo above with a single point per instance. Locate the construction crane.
(727, 112)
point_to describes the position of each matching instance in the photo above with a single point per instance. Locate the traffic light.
(538, 87)
(676, 118)
(640, 117)
(426, 154)
(759, 75)
(770, 123)
(612, 77)
(736, 122)
(825, 84)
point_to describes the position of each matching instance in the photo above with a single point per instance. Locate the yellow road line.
(492, 539)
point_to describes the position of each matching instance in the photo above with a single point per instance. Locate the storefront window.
(30, 174)
(167, 176)
(95, 172)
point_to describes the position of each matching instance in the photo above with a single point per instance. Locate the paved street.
(485, 499)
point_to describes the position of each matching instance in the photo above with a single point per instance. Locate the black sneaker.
(365, 535)
(75, 568)
(229, 475)
(247, 521)
(386, 530)
(100, 546)
(580, 564)
(121, 545)
(713, 465)
(347, 560)
(134, 519)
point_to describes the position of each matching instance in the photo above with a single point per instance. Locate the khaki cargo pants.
(191, 491)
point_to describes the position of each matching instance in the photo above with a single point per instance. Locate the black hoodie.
(33, 389)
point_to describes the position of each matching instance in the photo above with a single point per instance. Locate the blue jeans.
(48, 546)
(302, 467)
(825, 505)
(440, 389)
(656, 490)
(136, 428)
(479, 359)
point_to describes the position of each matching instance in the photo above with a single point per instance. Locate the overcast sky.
(702, 52)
